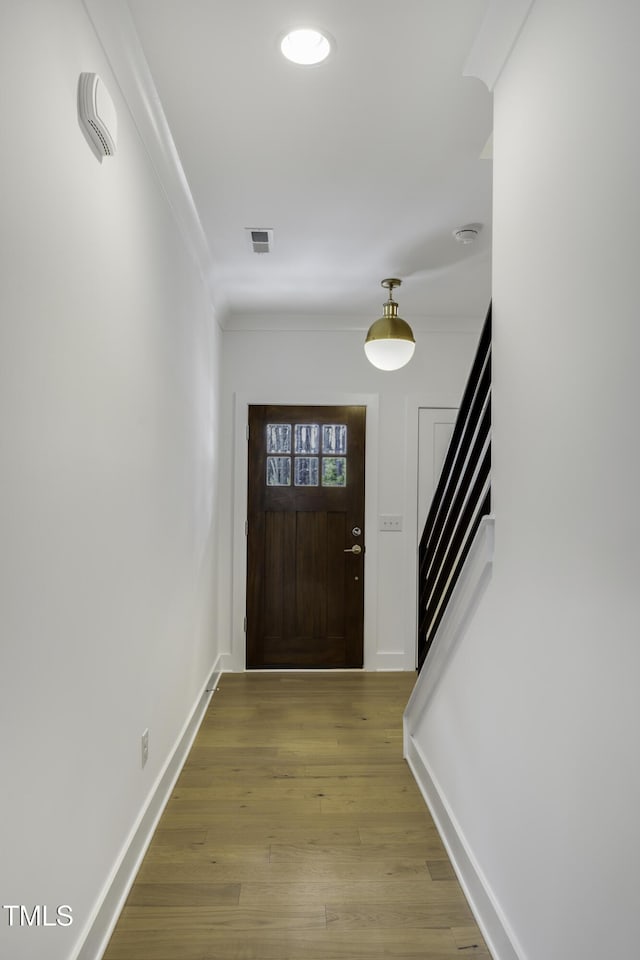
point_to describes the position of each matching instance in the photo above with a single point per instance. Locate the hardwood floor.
(296, 832)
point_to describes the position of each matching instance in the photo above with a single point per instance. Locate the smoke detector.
(468, 233)
(97, 114)
(260, 239)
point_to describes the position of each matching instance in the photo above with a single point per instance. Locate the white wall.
(307, 366)
(532, 734)
(108, 434)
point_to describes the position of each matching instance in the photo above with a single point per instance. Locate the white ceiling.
(362, 166)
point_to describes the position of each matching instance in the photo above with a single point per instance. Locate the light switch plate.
(390, 522)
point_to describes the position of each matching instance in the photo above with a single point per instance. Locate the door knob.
(356, 548)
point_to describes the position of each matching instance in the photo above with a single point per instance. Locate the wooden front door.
(305, 552)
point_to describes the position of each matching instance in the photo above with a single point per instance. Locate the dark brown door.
(305, 556)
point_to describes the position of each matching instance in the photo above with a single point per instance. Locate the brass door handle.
(356, 548)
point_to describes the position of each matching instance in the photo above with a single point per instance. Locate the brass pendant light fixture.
(390, 342)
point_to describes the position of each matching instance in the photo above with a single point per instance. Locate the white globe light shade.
(389, 354)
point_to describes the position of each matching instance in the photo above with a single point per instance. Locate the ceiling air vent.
(260, 239)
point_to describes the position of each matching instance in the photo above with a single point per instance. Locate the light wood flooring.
(296, 832)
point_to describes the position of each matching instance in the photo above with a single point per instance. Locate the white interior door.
(435, 426)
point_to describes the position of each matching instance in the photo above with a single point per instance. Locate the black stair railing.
(462, 498)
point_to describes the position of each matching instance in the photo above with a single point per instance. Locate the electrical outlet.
(145, 747)
(390, 522)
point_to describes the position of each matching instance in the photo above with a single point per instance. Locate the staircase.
(462, 498)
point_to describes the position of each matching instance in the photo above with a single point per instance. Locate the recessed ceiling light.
(305, 46)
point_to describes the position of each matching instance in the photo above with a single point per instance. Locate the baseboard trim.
(93, 942)
(385, 661)
(486, 911)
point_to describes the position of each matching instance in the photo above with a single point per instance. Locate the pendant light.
(390, 342)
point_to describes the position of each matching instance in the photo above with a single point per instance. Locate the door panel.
(435, 427)
(305, 590)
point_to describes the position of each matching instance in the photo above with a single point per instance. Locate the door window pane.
(334, 471)
(278, 471)
(306, 471)
(307, 438)
(278, 438)
(334, 438)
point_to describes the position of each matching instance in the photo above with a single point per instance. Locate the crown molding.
(495, 41)
(117, 34)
